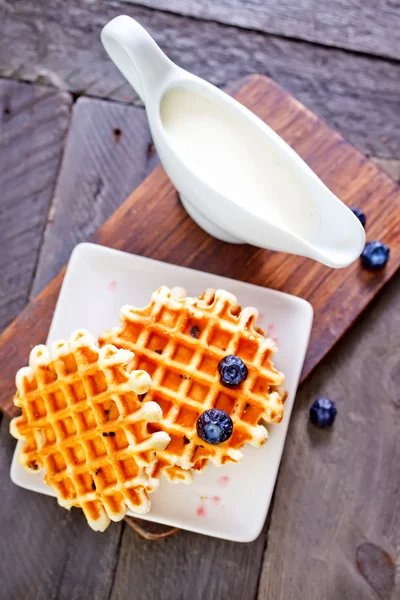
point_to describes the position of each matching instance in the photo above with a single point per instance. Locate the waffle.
(85, 423)
(179, 341)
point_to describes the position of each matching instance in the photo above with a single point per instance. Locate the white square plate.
(229, 502)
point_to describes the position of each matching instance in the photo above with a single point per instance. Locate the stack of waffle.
(104, 421)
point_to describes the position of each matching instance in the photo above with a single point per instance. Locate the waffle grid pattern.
(84, 423)
(179, 342)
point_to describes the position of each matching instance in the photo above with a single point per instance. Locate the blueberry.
(214, 426)
(375, 255)
(359, 214)
(232, 370)
(323, 412)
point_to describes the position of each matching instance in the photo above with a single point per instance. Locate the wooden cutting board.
(153, 223)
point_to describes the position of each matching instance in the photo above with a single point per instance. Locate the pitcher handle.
(136, 55)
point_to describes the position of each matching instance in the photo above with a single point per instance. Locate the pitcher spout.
(341, 238)
(136, 55)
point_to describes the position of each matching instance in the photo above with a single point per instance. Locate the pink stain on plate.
(112, 286)
(223, 481)
(201, 511)
(271, 332)
(216, 500)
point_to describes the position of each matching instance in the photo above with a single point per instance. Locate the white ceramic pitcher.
(236, 177)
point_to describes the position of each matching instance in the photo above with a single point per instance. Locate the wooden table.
(68, 160)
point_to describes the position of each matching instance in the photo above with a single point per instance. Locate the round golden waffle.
(179, 341)
(84, 421)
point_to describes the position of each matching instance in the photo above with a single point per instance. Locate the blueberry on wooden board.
(359, 214)
(375, 255)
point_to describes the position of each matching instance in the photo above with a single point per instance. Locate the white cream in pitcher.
(220, 147)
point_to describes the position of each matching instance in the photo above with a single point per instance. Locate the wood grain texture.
(187, 566)
(107, 154)
(33, 124)
(165, 232)
(46, 552)
(357, 94)
(336, 515)
(360, 25)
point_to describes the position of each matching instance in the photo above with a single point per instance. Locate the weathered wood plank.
(46, 552)
(33, 124)
(185, 566)
(354, 93)
(335, 524)
(360, 25)
(107, 154)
